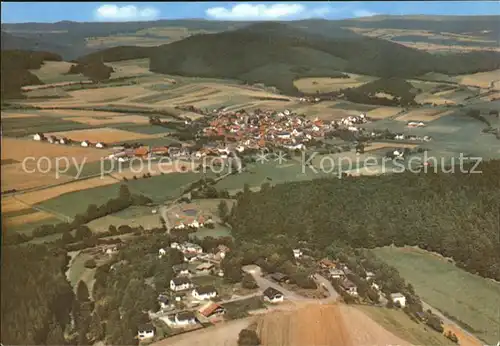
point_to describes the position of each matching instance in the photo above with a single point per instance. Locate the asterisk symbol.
(262, 157)
(280, 157)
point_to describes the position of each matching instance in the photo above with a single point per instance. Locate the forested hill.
(36, 297)
(456, 215)
(278, 53)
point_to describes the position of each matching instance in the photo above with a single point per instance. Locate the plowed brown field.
(325, 325)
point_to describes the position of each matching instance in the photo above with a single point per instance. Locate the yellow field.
(325, 84)
(9, 204)
(135, 119)
(80, 113)
(381, 145)
(35, 197)
(104, 134)
(481, 79)
(28, 218)
(15, 176)
(102, 94)
(55, 71)
(424, 114)
(6, 115)
(383, 112)
(18, 149)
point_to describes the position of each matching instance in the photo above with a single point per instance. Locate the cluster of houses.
(263, 127)
(339, 271)
(402, 137)
(192, 222)
(309, 99)
(416, 124)
(66, 141)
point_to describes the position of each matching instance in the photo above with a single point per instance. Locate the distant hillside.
(119, 54)
(15, 66)
(486, 26)
(276, 53)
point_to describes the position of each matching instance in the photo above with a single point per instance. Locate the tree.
(163, 222)
(67, 238)
(55, 335)
(248, 337)
(96, 330)
(82, 292)
(91, 264)
(223, 209)
(83, 232)
(125, 192)
(249, 282)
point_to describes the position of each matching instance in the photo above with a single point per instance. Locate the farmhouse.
(211, 310)
(272, 295)
(349, 287)
(336, 273)
(181, 319)
(325, 263)
(145, 331)
(85, 144)
(204, 268)
(398, 298)
(100, 145)
(161, 253)
(53, 139)
(38, 136)
(280, 277)
(204, 292)
(297, 253)
(190, 257)
(64, 140)
(180, 284)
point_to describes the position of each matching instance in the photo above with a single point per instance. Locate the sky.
(18, 12)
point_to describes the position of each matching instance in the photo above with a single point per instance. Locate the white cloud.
(364, 13)
(125, 13)
(265, 12)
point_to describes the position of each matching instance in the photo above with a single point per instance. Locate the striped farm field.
(28, 218)
(35, 197)
(12, 115)
(18, 149)
(103, 134)
(103, 94)
(424, 114)
(19, 177)
(383, 112)
(133, 119)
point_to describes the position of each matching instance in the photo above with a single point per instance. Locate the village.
(187, 306)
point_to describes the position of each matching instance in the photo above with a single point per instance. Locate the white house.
(38, 136)
(53, 139)
(63, 140)
(204, 292)
(85, 144)
(175, 246)
(272, 295)
(162, 252)
(369, 276)
(297, 253)
(336, 273)
(181, 319)
(100, 145)
(190, 247)
(146, 331)
(180, 284)
(398, 298)
(349, 287)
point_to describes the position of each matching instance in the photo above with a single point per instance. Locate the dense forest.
(456, 215)
(399, 89)
(36, 298)
(15, 70)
